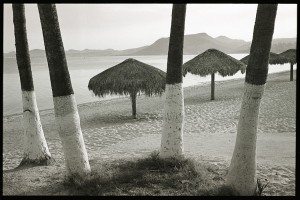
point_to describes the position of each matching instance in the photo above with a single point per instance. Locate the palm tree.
(36, 150)
(172, 132)
(242, 171)
(65, 107)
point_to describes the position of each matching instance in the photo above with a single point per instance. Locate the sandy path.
(209, 132)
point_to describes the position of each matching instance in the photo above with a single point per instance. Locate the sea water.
(82, 69)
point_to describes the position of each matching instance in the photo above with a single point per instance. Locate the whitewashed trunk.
(173, 119)
(242, 171)
(35, 145)
(69, 129)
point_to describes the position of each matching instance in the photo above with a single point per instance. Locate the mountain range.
(194, 44)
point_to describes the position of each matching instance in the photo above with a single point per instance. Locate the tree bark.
(242, 171)
(291, 72)
(133, 103)
(36, 150)
(212, 86)
(172, 132)
(65, 107)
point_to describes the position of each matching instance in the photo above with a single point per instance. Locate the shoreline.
(114, 100)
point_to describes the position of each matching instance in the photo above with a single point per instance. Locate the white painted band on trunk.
(242, 171)
(69, 129)
(172, 132)
(35, 145)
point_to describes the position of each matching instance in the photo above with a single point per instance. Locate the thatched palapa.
(290, 55)
(212, 61)
(274, 59)
(129, 77)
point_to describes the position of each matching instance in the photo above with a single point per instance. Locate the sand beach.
(209, 135)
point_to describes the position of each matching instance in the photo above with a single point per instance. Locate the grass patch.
(151, 176)
(260, 187)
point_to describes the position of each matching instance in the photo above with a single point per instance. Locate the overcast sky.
(124, 26)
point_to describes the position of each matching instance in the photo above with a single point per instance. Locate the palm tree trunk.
(65, 107)
(172, 132)
(36, 150)
(242, 171)
(212, 87)
(291, 72)
(133, 103)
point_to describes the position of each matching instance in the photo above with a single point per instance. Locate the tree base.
(45, 161)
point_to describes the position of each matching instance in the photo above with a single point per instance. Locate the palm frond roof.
(213, 61)
(129, 76)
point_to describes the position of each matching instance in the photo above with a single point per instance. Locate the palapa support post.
(291, 72)
(133, 102)
(212, 86)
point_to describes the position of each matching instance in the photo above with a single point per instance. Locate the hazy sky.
(123, 26)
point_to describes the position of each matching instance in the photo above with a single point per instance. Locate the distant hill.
(197, 43)
(234, 43)
(33, 53)
(105, 52)
(9, 54)
(193, 44)
(90, 52)
(278, 45)
(83, 53)
(128, 51)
